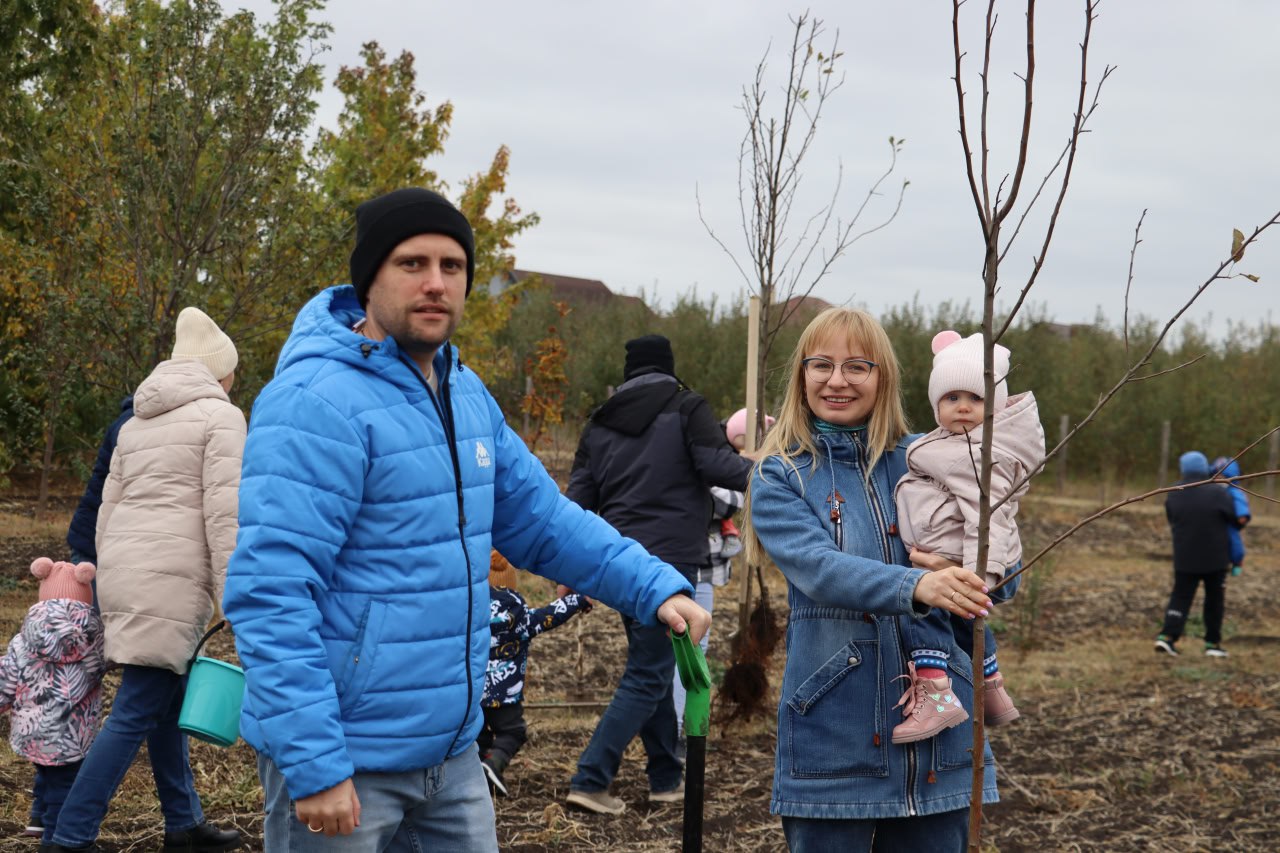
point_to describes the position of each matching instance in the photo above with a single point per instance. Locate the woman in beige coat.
(166, 529)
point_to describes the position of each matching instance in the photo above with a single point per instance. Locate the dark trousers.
(503, 734)
(1184, 593)
(641, 705)
(145, 710)
(948, 831)
(930, 639)
(52, 786)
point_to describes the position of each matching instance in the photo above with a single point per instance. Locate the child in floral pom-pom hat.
(51, 682)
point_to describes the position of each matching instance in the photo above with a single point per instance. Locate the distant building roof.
(801, 309)
(565, 288)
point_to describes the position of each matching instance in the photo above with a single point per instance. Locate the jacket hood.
(637, 403)
(1018, 432)
(323, 329)
(173, 384)
(61, 630)
(1018, 429)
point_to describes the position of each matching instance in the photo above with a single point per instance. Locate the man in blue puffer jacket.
(378, 474)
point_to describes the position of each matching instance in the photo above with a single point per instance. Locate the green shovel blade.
(696, 678)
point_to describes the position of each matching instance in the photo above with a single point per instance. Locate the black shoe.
(1165, 646)
(202, 838)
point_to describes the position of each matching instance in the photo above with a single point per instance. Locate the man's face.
(418, 295)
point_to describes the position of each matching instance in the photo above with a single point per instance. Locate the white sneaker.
(675, 795)
(1213, 650)
(600, 802)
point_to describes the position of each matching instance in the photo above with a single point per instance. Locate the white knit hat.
(198, 338)
(957, 366)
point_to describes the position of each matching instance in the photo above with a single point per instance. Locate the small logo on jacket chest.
(482, 456)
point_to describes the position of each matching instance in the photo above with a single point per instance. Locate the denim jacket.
(848, 586)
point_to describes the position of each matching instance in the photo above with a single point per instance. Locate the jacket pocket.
(951, 747)
(832, 719)
(361, 656)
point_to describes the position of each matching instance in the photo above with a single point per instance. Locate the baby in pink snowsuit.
(937, 503)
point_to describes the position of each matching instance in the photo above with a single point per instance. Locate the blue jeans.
(705, 595)
(146, 708)
(930, 637)
(444, 809)
(52, 786)
(37, 797)
(947, 832)
(641, 705)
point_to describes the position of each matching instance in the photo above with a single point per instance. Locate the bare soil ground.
(1118, 749)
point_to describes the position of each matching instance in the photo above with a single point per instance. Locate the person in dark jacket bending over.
(1199, 519)
(84, 523)
(378, 475)
(646, 463)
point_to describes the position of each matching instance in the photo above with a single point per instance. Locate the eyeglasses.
(855, 371)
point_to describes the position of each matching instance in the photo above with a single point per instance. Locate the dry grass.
(19, 523)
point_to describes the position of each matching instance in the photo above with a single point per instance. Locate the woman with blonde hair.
(821, 506)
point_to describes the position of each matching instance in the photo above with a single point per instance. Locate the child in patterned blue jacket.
(514, 626)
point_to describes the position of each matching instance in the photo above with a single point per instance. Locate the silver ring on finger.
(314, 829)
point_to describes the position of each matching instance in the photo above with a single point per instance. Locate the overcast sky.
(617, 113)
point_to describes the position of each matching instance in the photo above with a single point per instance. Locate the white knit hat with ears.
(198, 338)
(957, 366)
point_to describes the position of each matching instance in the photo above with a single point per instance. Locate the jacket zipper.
(886, 549)
(444, 408)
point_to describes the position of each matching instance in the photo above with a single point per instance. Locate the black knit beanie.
(650, 354)
(388, 220)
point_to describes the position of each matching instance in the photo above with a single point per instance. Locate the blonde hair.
(792, 435)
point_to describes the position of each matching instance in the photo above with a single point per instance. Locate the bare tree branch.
(1072, 146)
(1128, 283)
(1084, 522)
(964, 127)
(1168, 370)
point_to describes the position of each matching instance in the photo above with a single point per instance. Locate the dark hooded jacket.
(80, 534)
(646, 464)
(1200, 518)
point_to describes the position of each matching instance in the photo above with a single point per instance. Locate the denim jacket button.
(852, 661)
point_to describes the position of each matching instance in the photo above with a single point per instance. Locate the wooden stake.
(753, 404)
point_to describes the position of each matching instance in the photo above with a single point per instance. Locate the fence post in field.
(1273, 462)
(1164, 454)
(1064, 426)
(753, 406)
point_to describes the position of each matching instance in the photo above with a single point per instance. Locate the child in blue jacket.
(514, 626)
(1224, 466)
